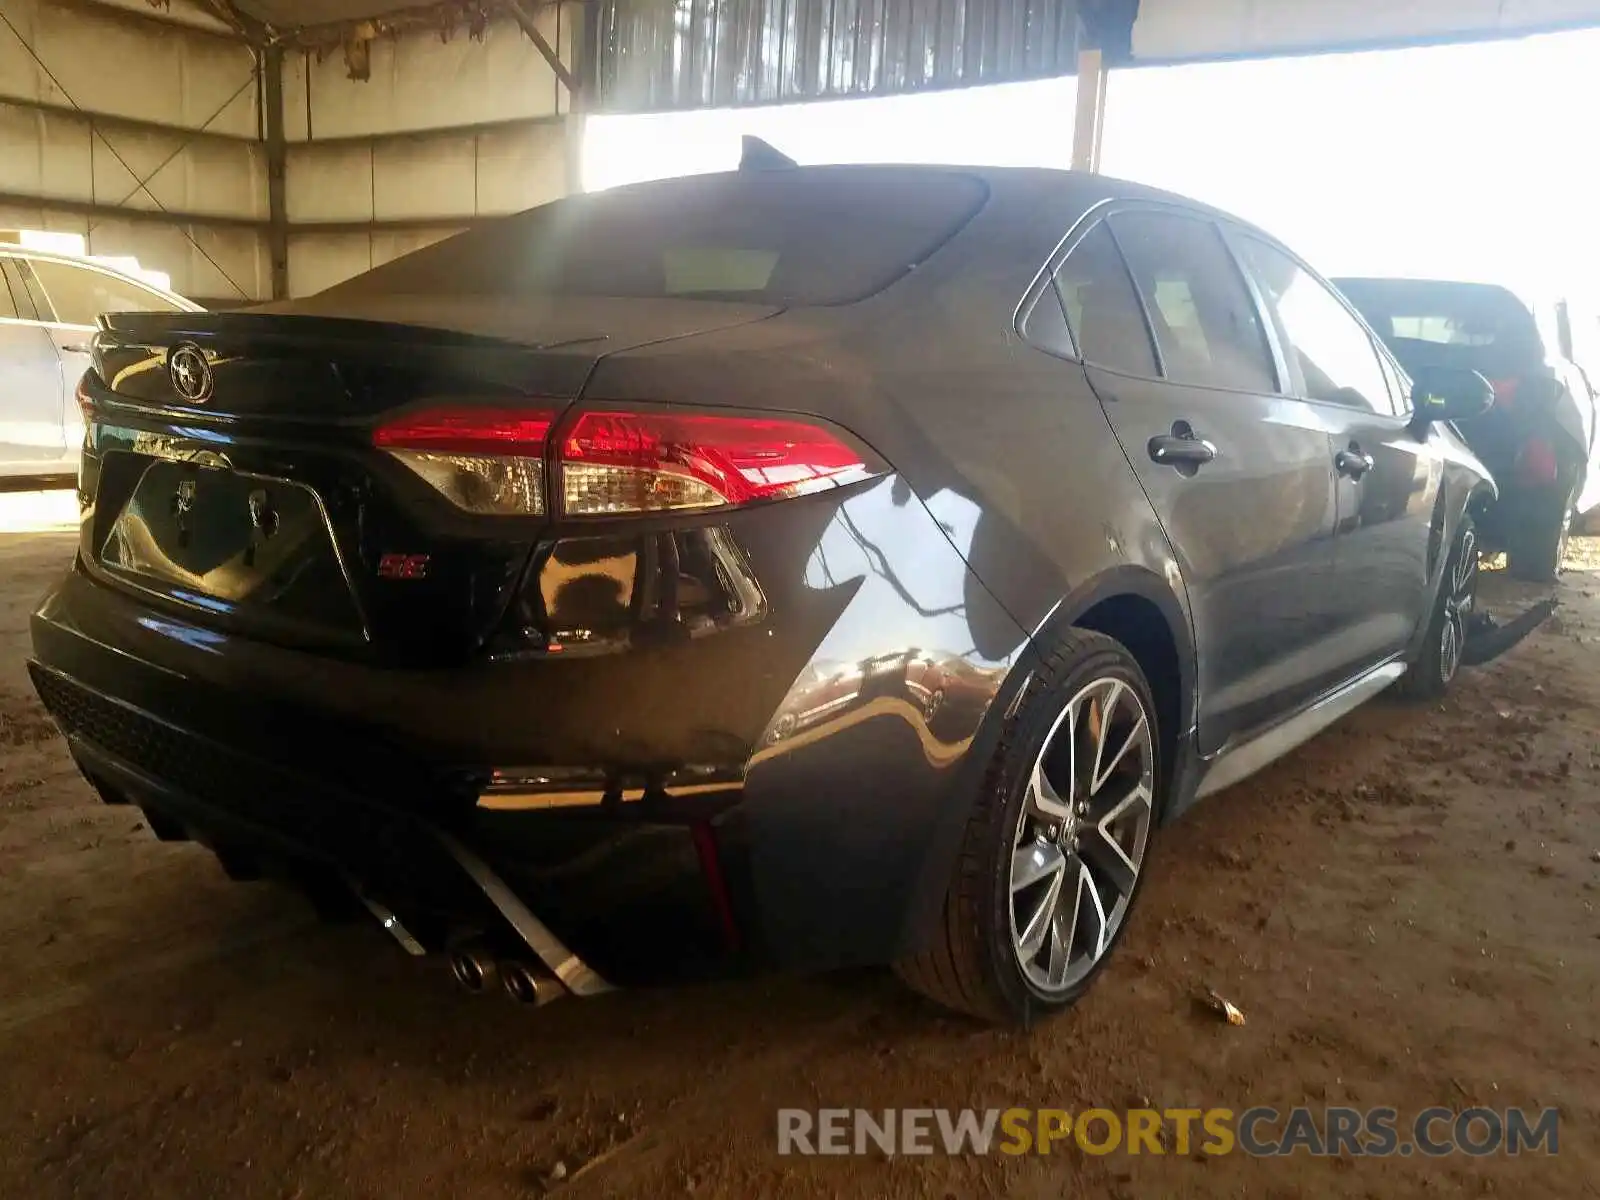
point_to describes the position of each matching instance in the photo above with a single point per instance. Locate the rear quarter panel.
(1009, 452)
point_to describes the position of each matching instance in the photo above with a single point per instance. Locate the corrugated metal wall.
(665, 54)
(675, 54)
(78, 142)
(443, 132)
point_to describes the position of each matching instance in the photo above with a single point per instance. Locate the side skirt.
(1238, 762)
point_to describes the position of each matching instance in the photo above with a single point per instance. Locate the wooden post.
(1089, 120)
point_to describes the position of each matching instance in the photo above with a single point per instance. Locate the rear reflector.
(85, 401)
(469, 431)
(1536, 463)
(484, 460)
(491, 460)
(636, 462)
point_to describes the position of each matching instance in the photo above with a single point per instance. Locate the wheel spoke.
(1038, 926)
(1136, 737)
(1450, 650)
(1101, 712)
(1043, 800)
(1466, 564)
(1093, 914)
(1101, 848)
(1063, 928)
(1035, 862)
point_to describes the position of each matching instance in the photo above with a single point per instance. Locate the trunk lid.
(320, 362)
(244, 489)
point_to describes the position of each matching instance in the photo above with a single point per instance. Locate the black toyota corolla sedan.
(788, 568)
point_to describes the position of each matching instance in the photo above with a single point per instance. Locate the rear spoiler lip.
(168, 329)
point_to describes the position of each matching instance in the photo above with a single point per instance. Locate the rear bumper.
(662, 807)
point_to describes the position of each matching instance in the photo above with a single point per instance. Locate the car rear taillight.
(617, 463)
(1536, 463)
(1505, 392)
(636, 462)
(81, 393)
(485, 460)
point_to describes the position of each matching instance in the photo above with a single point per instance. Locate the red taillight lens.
(491, 460)
(85, 401)
(485, 460)
(514, 431)
(1505, 391)
(1536, 463)
(635, 462)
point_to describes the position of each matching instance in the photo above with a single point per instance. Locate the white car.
(48, 306)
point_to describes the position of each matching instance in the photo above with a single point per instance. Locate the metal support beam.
(525, 19)
(277, 168)
(155, 216)
(396, 224)
(149, 17)
(1089, 120)
(437, 132)
(580, 93)
(113, 123)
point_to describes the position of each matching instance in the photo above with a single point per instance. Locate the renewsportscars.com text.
(1261, 1132)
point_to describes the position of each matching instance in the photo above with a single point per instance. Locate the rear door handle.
(75, 348)
(1181, 447)
(1354, 462)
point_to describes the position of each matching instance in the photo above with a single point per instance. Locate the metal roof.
(714, 53)
(676, 54)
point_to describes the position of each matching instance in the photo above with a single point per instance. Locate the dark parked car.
(1538, 439)
(503, 585)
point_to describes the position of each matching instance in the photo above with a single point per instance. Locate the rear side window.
(1046, 326)
(808, 237)
(1206, 324)
(1334, 358)
(30, 285)
(9, 305)
(80, 295)
(1102, 308)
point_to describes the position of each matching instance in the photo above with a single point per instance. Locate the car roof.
(1067, 193)
(1361, 286)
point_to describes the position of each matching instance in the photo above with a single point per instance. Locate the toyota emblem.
(191, 373)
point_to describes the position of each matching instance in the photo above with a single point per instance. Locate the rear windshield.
(1444, 314)
(805, 237)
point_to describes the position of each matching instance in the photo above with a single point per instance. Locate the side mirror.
(1450, 394)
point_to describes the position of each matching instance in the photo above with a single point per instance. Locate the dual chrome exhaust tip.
(475, 968)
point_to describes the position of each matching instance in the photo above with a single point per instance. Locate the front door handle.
(1181, 448)
(75, 348)
(1354, 462)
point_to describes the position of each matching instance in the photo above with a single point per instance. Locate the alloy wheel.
(1462, 593)
(1082, 834)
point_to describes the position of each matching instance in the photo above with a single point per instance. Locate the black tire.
(1536, 544)
(1435, 668)
(973, 965)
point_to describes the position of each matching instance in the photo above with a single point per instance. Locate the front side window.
(1331, 355)
(1102, 308)
(79, 295)
(1206, 324)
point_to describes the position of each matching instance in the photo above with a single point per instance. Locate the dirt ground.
(1404, 910)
